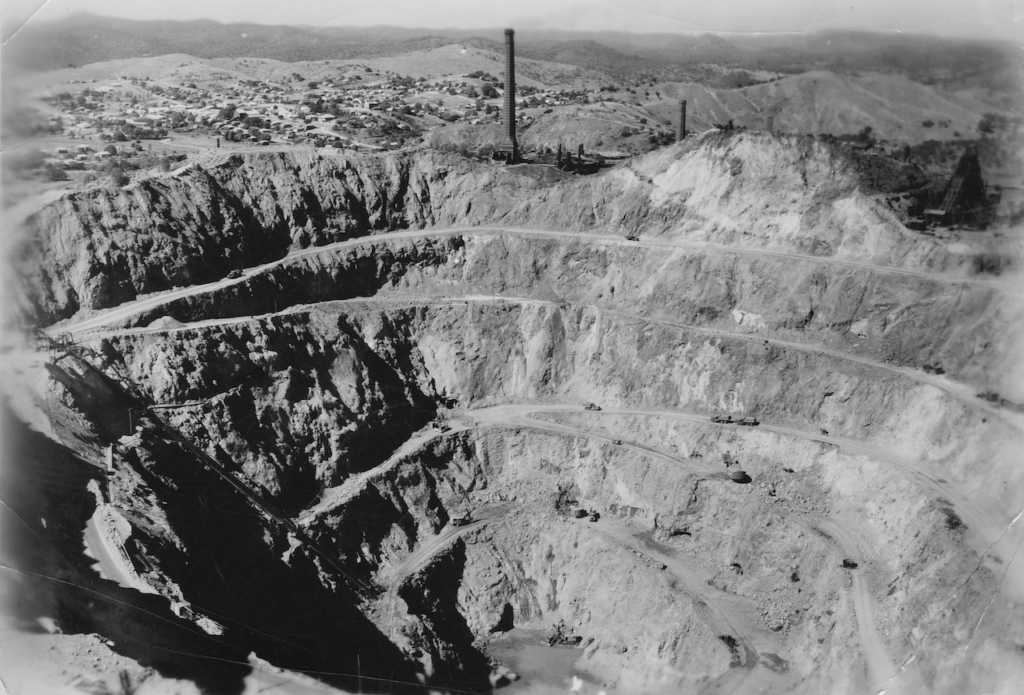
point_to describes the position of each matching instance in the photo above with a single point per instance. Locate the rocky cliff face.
(104, 246)
(873, 542)
(100, 247)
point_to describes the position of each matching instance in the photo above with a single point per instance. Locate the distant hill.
(175, 69)
(83, 38)
(893, 106)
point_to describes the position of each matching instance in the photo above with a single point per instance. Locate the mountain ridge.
(85, 38)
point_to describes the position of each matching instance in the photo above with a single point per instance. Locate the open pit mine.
(710, 421)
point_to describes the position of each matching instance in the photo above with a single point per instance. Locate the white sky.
(977, 18)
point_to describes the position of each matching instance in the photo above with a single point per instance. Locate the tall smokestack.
(510, 94)
(681, 126)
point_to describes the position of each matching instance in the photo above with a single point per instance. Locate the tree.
(176, 119)
(118, 176)
(865, 135)
(990, 123)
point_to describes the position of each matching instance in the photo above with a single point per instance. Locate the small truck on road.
(463, 520)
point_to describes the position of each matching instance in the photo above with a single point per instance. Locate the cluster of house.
(345, 111)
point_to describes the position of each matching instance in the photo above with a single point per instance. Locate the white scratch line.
(25, 24)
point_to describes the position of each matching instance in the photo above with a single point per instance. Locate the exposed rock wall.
(102, 246)
(491, 354)
(317, 383)
(765, 282)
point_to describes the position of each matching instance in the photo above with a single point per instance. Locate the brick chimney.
(681, 125)
(509, 113)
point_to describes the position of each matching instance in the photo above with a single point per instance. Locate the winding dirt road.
(427, 550)
(695, 586)
(338, 495)
(994, 533)
(719, 615)
(995, 537)
(957, 390)
(124, 311)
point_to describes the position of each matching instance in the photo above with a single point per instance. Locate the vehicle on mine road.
(579, 513)
(463, 520)
(748, 421)
(722, 419)
(617, 442)
(234, 274)
(591, 406)
(594, 516)
(738, 476)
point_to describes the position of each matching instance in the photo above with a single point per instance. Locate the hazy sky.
(978, 18)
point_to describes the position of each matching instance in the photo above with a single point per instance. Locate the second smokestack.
(681, 125)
